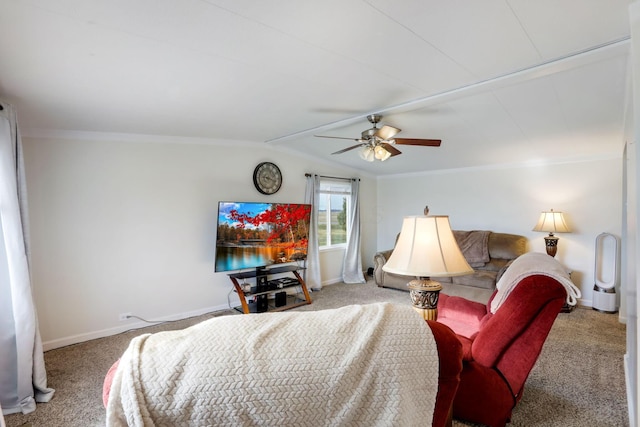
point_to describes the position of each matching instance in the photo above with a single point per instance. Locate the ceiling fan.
(379, 143)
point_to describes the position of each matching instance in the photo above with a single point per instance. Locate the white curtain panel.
(23, 379)
(312, 197)
(352, 266)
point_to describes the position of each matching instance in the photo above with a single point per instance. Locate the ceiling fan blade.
(422, 142)
(391, 149)
(386, 132)
(347, 149)
(336, 137)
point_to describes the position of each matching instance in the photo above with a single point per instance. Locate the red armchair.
(500, 349)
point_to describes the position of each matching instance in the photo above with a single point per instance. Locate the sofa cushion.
(397, 281)
(479, 279)
(506, 246)
(496, 264)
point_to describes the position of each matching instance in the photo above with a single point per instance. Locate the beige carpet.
(578, 380)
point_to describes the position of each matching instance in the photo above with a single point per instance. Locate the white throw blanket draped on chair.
(358, 365)
(527, 265)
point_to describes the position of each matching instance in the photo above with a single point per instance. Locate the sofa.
(349, 334)
(502, 340)
(488, 253)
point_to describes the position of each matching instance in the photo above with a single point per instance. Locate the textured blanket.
(358, 365)
(529, 264)
(474, 245)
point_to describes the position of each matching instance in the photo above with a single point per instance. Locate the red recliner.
(500, 349)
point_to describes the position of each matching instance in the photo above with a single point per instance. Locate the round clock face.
(267, 178)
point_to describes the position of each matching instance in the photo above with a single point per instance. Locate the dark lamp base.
(424, 297)
(551, 243)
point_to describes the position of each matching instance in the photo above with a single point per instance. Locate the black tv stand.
(255, 299)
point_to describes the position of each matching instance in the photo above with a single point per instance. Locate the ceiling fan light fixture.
(387, 132)
(381, 143)
(366, 153)
(381, 153)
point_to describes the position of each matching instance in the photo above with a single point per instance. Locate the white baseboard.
(75, 339)
(332, 281)
(585, 303)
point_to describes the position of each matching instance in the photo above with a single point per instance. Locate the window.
(333, 211)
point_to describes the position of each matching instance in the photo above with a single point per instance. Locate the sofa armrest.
(379, 260)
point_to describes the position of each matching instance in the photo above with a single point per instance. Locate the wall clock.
(267, 178)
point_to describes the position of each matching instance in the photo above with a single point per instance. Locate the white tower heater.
(606, 273)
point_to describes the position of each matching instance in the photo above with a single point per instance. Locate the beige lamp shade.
(552, 222)
(427, 248)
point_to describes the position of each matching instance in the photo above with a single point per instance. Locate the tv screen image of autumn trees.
(253, 234)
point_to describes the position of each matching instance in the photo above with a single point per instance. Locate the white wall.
(510, 200)
(120, 226)
(129, 227)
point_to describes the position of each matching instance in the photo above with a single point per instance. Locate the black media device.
(262, 285)
(281, 299)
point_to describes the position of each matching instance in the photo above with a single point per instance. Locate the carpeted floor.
(578, 380)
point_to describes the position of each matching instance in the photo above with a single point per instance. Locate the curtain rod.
(332, 177)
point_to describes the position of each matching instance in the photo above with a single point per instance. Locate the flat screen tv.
(254, 234)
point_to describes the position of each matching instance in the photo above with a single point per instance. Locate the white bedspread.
(369, 365)
(529, 264)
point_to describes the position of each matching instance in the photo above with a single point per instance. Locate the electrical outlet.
(124, 316)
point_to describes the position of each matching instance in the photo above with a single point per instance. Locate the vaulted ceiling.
(498, 81)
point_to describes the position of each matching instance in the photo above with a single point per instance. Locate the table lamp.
(426, 248)
(551, 222)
